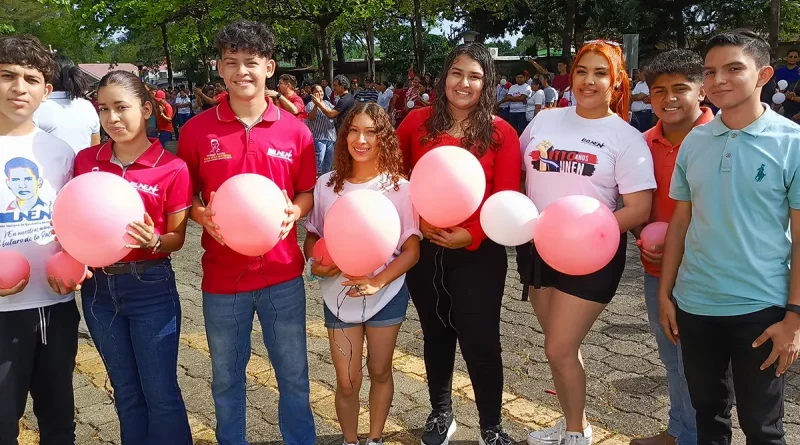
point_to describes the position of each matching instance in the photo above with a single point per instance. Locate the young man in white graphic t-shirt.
(38, 327)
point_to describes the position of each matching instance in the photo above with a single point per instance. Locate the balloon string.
(436, 267)
(339, 304)
(452, 302)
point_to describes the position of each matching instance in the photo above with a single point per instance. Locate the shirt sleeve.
(539, 99)
(168, 110)
(307, 174)
(507, 171)
(679, 187)
(316, 217)
(340, 105)
(633, 169)
(179, 192)
(527, 91)
(187, 150)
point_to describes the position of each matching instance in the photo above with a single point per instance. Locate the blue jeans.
(164, 137)
(324, 152)
(681, 414)
(281, 309)
(135, 322)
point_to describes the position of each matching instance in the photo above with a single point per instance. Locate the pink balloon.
(91, 215)
(62, 265)
(320, 253)
(577, 235)
(362, 229)
(447, 186)
(250, 210)
(15, 268)
(653, 235)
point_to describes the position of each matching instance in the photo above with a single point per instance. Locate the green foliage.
(397, 51)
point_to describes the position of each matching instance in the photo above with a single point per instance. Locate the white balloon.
(778, 98)
(425, 97)
(503, 82)
(782, 84)
(410, 104)
(508, 218)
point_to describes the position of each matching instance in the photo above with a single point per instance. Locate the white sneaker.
(374, 442)
(576, 439)
(557, 432)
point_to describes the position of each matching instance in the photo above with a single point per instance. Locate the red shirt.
(664, 156)
(561, 82)
(161, 178)
(216, 146)
(297, 101)
(502, 168)
(161, 123)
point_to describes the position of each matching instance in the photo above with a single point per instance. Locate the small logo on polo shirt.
(275, 153)
(149, 189)
(760, 173)
(216, 153)
(594, 143)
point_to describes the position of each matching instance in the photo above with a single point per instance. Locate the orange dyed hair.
(620, 95)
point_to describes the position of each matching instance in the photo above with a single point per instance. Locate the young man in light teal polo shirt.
(728, 249)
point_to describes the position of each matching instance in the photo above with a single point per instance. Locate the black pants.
(27, 364)
(719, 360)
(458, 294)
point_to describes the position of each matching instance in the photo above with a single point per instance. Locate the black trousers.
(28, 365)
(458, 294)
(719, 361)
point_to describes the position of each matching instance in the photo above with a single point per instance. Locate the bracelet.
(793, 308)
(157, 247)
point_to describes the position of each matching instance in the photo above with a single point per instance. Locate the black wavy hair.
(248, 36)
(751, 43)
(27, 51)
(676, 61)
(69, 78)
(130, 83)
(479, 126)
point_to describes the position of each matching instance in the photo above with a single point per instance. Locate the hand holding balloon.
(362, 286)
(61, 288)
(209, 225)
(651, 254)
(144, 233)
(452, 238)
(15, 273)
(325, 271)
(292, 214)
(19, 287)
(428, 230)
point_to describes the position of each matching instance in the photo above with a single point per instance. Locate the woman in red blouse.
(457, 285)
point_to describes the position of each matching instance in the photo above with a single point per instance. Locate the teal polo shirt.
(742, 185)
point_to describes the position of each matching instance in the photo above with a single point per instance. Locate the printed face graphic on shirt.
(546, 158)
(215, 152)
(22, 178)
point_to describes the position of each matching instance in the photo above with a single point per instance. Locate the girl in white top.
(367, 156)
(587, 150)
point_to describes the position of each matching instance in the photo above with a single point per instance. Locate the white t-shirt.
(183, 100)
(385, 98)
(638, 105)
(350, 309)
(72, 121)
(536, 99)
(569, 96)
(34, 168)
(565, 154)
(516, 91)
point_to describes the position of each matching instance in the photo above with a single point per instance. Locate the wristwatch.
(157, 246)
(793, 308)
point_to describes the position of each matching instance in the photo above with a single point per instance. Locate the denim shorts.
(392, 314)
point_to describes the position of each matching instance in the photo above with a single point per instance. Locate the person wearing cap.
(163, 117)
(368, 93)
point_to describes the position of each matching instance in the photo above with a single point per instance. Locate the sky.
(447, 25)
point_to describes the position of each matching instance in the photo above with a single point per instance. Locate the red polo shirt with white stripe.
(216, 145)
(160, 177)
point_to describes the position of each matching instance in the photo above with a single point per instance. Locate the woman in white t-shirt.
(367, 156)
(587, 150)
(66, 114)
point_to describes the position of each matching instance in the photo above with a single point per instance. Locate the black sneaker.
(439, 428)
(494, 436)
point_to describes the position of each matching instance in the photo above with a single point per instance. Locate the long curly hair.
(390, 157)
(479, 131)
(620, 95)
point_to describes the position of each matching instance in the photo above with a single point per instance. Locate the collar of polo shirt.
(225, 113)
(718, 128)
(149, 158)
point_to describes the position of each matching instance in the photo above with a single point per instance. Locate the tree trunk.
(319, 50)
(774, 27)
(339, 51)
(327, 60)
(167, 55)
(371, 49)
(203, 54)
(419, 45)
(569, 28)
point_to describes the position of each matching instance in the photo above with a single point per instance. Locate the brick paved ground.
(627, 393)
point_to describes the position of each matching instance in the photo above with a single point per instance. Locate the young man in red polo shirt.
(675, 80)
(248, 134)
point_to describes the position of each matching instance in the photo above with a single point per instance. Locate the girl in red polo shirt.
(457, 285)
(367, 157)
(131, 307)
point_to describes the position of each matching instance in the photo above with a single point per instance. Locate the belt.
(139, 267)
